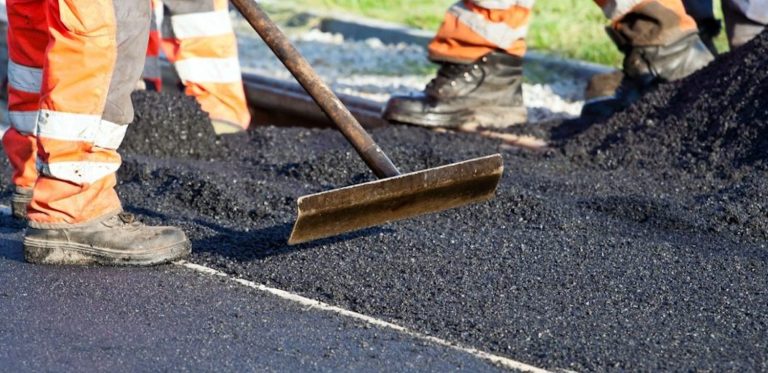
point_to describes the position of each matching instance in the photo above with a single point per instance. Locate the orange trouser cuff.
(649, 22)
(470, 31)
(21, 150)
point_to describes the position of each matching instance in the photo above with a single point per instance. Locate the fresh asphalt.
(171, 318)
(640, 245)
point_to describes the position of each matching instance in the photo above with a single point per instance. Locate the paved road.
(170, 318)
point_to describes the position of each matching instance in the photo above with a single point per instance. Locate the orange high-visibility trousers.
(474, 28)
(197, 36)
(27, 38)
(75, 64)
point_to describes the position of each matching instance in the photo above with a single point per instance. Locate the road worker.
(481, 43)
(73, 65)
(197, 37)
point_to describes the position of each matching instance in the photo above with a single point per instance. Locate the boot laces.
(128, 219)
(450, 73)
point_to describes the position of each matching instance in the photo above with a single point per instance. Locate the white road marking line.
(5, 210)
(311, 303)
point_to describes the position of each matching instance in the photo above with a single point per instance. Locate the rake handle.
(371, 153)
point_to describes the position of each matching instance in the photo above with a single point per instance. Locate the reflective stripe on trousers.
(27, 37)
(200, 41)
(472, 29)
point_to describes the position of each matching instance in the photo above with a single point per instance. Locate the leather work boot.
(19, 201)
(487, 93)
(115, 240)
(647, 66)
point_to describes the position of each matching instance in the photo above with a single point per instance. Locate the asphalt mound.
(710, 129)
(169, 125)
(713, 123)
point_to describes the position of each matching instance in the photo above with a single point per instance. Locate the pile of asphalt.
(169, 125)
(634, 246)
(569, 266)
(711, 128)
(714, 123)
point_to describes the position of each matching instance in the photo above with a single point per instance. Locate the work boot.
(20, 201)
(115, 240)
(487, 93)
(647, 66)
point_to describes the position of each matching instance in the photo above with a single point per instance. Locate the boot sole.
(489, 117)
(68, 253)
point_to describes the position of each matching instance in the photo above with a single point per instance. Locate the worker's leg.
(699, 9)
(702, 11)
(153, 74)
(658, 38)
(93, 60)
(660, 43)
(27, 38)
(744, 19)
(202, 45)
(473, 28)
(78, 164)
(648, 22)
(480, 46)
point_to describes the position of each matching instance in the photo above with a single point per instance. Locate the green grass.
(569, 28)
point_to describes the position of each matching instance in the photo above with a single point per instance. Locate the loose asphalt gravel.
(634, 244)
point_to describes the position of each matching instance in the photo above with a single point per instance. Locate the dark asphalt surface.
(173, 319)
(569, 267)
(639, 245)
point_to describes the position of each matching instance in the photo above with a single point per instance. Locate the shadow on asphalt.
(571, 128)
(266, 242)
(11, 250)
(248, 245)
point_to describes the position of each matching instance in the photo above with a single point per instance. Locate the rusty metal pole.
(371, 153)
